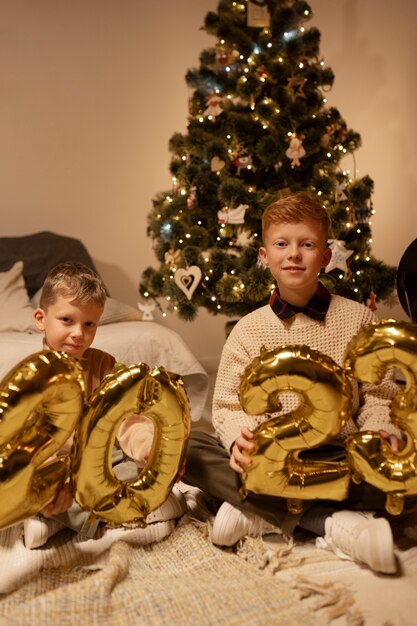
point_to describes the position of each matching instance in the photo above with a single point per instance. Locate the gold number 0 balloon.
(376, 349)
(324, 394)
(157, 394)
(41, 401)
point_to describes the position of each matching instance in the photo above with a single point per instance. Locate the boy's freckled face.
(295, 254)
(69, 326)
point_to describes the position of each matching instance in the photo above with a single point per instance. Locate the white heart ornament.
(188, 279)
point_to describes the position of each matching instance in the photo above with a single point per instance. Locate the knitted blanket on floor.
(183, 580)
(180, 580)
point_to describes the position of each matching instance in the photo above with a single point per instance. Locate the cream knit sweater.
(370, 403)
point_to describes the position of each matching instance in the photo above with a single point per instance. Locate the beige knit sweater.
(370, 403)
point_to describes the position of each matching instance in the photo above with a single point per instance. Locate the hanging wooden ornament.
(187, 279)
(258, 15)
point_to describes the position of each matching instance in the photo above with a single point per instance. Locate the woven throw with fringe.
(181, 580)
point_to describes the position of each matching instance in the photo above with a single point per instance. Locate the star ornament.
(295, 87)
(339, 256)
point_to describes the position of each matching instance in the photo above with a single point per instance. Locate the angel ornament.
(295, 150)
(172, 257)
(146, 310)
(213, 109)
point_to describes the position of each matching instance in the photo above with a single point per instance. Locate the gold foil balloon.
(376, 349)
(41, 401)
(160, 396)
(324, 406)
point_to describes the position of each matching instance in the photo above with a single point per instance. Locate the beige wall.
(92, 90)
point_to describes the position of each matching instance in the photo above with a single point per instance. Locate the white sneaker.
(360, 536)
(232, 524)
(200, 506)
(174, 507)
(37, 530)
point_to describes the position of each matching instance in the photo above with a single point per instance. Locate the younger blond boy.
(71, 305)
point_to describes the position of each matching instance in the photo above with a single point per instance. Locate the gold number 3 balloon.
(324, 406)
(376, 349)
(41, 401)
(157, 394)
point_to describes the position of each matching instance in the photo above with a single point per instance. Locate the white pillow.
(114, 310)
(16, 312)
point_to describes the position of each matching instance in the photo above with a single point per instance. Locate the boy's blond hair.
(294, 208)
(74, 281)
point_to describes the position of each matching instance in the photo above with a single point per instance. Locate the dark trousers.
(208, 469)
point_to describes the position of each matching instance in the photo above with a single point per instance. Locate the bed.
(24, 263)
(183, 579)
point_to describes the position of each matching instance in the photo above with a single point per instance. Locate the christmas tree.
(259, 127)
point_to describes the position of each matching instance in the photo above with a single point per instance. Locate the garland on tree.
(259, 127)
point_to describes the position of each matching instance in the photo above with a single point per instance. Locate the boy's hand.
(396, 444)
(239, 461)
(62, 502)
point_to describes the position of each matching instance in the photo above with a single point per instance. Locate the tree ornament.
(295, 150)
(172, 257)
(242, 160)
(339, 191)
(262, 73)
(295, 87)
(244, 238)
(217, 164)
(213, 110)
(339, 256)
(192, 198)
(228, 215)
(225, 56)
(188, 279)
(146, 308)
(258, 15)
(325, 140)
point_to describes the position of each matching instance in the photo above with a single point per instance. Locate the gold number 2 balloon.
(324, 406)
(41, 401)
(369, 355)
(160, 396)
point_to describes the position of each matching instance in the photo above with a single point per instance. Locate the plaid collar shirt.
(315, 308)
